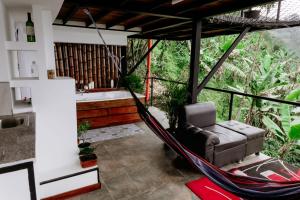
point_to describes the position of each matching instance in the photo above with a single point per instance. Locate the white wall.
(56, 126)
(89, 36)
(4, 73)
(15, 185)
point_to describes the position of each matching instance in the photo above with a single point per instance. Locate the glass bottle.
(30, 29)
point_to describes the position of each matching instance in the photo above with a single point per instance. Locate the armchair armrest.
(199, 141)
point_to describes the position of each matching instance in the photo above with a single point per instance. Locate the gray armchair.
(217, 143)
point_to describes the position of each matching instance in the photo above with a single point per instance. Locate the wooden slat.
(94, 64)
(80, 62)
(98, 122)
(60, 60)
(89, 63)
(106, 104)
(56, 59)
(76, 64)
(66, 60)
(71, 61)
(85, 64)
(98, 64)
(108, 64)
(84, 114)
(103, 65)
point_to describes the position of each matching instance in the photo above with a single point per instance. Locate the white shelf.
(21, 46)
(22, 107)
(24, 78)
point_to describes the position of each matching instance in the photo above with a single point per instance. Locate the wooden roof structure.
(162, 19)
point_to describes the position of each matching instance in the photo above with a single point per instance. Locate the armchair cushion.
(200, 114)
(228, 138)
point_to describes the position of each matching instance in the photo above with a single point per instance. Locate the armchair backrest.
(200, 114)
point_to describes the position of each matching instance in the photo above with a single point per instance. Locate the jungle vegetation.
(260, 65)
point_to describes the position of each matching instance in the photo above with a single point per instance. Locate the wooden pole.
(148, 72)
(194, 62)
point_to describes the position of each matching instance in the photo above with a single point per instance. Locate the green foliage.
(171, 101)
(259, 65)
(135, 83)
(82, 129)
(86, 151)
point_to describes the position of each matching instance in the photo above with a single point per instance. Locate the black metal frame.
(30, 170)
(72, 175)
(232, 94)
(222, 60)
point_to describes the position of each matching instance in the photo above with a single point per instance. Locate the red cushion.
(207, 190)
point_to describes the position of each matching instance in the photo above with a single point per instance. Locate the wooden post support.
(194, 62)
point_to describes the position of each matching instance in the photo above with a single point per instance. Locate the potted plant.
(171, 101)
(81, 132)
(86, 152)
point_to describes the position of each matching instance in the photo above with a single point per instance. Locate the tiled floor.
(138, 168)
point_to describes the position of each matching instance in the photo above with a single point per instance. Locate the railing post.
(230, 106)
(151, 98)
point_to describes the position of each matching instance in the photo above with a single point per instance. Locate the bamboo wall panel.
(86, 63)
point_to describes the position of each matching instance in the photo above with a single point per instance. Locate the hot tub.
(108, 108)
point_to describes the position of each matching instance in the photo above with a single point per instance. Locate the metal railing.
(232, 94)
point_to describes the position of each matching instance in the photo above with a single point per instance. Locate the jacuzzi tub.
(109, 108)
(105, 96)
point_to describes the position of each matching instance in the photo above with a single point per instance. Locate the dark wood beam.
(138, 23)
(172, 31)
(119, 20)
(105, 12)
(97, 17)
(141, 10)
(194, 62)
(221, 61)
(142, 59)
(167, 27)
(71, 13)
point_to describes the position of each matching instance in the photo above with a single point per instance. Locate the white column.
(4, 67)
(44, 38)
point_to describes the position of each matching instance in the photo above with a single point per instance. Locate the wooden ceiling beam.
(137, 9)
(71, 13)
(137, 23)
(102, 14)
(97, 17)
(119, 20)
(175, 25)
